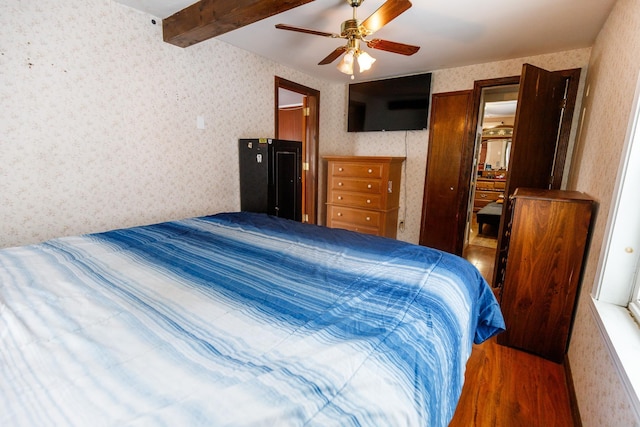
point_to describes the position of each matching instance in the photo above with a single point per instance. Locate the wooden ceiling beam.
(210, 18)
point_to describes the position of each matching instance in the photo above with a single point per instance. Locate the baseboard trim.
(573, 400)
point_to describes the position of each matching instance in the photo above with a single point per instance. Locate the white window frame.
(634, 304)
(617, 286)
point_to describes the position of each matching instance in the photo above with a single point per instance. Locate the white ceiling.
(500, 109)
(451, 33)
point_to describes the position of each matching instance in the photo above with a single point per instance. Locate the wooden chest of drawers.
(363, 194)
(487, 191)
(548, 235)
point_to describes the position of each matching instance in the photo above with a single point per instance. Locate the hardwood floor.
(505, 387)
(483, 258)
(481, 250)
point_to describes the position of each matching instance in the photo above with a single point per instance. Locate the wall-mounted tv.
(399, 103)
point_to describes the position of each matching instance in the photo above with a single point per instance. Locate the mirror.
(494, 150)
(496, 154)
(498, 112)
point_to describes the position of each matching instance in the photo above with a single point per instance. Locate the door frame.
(310, 150)
(573, 77)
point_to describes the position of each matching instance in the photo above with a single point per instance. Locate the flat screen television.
(399, 103)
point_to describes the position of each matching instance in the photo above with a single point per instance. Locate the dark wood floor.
(483, 258)
(505, 387)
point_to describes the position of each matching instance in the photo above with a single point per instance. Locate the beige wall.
(98, 125)
(613, 72)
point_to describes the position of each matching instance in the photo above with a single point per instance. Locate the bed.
(236, 319)
(489, 214)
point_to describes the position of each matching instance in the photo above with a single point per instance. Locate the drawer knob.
(339, 213)
(368, 218)
(368, 185)
(484, 196)
(340, 169)
(339, 197)
(370, 171)
(368, 201)
(340, 184)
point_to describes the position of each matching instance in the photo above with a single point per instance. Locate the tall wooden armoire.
(547, 241)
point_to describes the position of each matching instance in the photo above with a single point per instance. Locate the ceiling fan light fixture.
(355, 32)
(365, 61)
(346, 63)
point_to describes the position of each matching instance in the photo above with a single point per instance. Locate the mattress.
(236, 319)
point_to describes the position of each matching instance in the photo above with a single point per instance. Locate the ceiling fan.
(356, 31)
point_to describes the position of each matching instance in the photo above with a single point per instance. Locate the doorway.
(297, 110)
(541, 130)
(496, 117)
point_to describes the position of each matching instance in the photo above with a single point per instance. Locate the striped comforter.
(232, 320)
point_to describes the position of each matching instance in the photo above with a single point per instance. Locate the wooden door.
(292, 126)
(445, 191)
(291, 123)
(536, 131)
(310, 125)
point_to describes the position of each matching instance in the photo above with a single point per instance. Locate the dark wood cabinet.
(540, 137)
(548, 234)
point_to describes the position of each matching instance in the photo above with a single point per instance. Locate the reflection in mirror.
(494, 154)
(494, 150)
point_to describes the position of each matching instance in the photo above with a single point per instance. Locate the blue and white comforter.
(232, 320)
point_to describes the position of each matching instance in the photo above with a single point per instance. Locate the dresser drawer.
(361, 200)
(500, 185)
(489, 196)
(357, 217)
(355, 184)
(485, 185)
(359, 170)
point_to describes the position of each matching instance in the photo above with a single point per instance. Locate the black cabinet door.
(287, 184)
(271, 177)
(254, 175)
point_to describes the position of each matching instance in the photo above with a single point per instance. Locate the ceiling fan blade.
(333, 55)
(385, 14)
(401, 48)
(306, 31)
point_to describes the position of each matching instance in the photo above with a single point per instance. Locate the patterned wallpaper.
(613, 73)
(98, 129)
